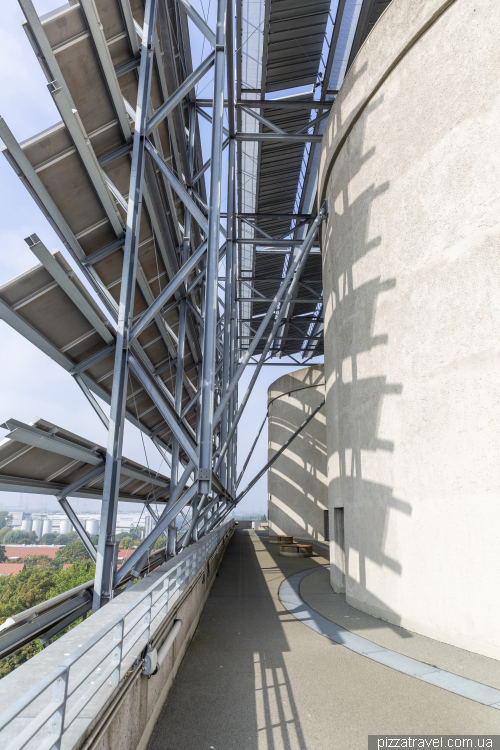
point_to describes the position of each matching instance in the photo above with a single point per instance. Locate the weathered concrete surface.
(411, 166)
(296, 482)
(255, 678)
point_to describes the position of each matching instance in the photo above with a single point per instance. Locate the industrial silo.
(410, 166)
(296, 482)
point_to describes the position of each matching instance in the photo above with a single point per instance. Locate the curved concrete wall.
(296, 482)
(411, 166)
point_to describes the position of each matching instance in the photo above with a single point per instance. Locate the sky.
(31, 384)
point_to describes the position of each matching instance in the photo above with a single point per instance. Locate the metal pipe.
(169, 642)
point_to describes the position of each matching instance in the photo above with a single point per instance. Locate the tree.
(24, 590)
(67, 538)
(37, 561)
(80, 572)
(71, 553)
(5, 519)
(126, 542)
(160, 542)
(3, 531)
(263, 517)
(3, 556)
(137, 533)
(16, 536)
(30, 587)
(49, 538)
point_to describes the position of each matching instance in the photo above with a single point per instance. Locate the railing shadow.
(237, 685)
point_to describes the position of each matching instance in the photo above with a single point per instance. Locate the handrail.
(63, 609)
(70, 692)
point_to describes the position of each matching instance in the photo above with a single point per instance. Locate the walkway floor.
(256, 678)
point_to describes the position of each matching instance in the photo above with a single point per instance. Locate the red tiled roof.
(19, 550)
(124, 554)
(6, 569)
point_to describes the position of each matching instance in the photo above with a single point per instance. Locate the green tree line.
(42, 579)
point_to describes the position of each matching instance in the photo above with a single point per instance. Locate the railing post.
(59, 693)
(147, 618)
(117, 653)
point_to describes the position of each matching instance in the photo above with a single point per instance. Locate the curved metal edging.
(289, 595)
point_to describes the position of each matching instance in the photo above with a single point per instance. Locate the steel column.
(211, 297)
(103, 590)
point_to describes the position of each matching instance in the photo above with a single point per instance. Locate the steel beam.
(211, 297)
(170, 418)
(272, 307)
(178, 500)
(84, 537)
(103, 589)
(181, 92)
(280, 451)
(290, 137)
(169, 290)
(297, 264)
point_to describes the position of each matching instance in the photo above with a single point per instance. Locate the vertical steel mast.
(106, 557)
(211, 295)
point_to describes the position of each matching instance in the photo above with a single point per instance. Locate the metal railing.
(95, 668)
(48, 618)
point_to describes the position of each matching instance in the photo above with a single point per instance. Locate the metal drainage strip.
(290, 598)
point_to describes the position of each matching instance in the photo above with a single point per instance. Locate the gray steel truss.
(191, 294)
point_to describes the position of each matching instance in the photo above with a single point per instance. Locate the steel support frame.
(106, 553)
(207, 258)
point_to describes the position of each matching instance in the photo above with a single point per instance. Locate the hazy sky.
(31, 384)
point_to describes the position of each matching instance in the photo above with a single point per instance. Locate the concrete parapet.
(122, 716)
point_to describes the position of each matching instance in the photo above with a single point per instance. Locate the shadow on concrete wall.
(354, 403)
(297, 490)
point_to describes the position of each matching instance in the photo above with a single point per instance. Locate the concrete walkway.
(256, 678)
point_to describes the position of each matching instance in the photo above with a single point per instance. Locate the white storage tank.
(26, 524)
(92, 526)
(47, 526)
(66, 526)
(37, 526)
